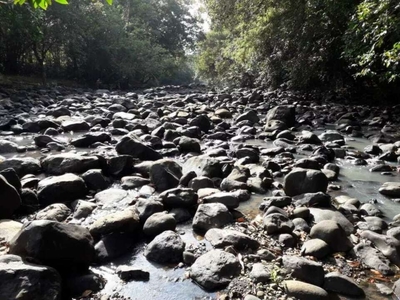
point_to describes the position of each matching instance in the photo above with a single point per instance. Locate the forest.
(336, 46)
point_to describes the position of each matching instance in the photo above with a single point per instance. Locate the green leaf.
(64, 2)
(109, 2)
(43, 4)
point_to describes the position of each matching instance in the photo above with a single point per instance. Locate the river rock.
(389, 246)
(129, 145)
(165, 174)
(300, 181)
(333, 234)
(304, 269)
(391, 189)
(341, 284)
(7, 147)
(159, 222)
(304, 291)
(55, 244)
(315, 247)
(203, 166)
(260, 273)
(179, 197)
(221, 238)
(211, 215)
(230, 199)
(373, 259)
(113, 245)
(215, 269)
(277, 223)
(55, 212)
(95, 180)
(69, 163)
(165, 248)
(22, 280)
(10, 200)
(22, 165)
(64, 188)
(320, 214)
(131, 182)
(82, 208)
(90, 138)
(126, 220)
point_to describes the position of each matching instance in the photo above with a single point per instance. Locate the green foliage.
(372, 41)
(44, 4)
(301, 44)
(131, 43)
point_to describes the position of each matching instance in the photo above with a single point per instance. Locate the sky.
(197, 7)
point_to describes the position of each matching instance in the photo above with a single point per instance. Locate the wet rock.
(131, 182)
(187, 145)
(333, 234)
(277, 223)
(128, 145)
(369, 209)
(127, 273)
(229, 199)
(201, 121)
(331, 136)
(166, 247)
(187, 177)
(69, 163)
(90, 138)
(372, 223)
(389, 246)
(95, 180)
(54, 244)
(315, 247)
(113, 196)
(22, 165)
(278, 201)
(55, 212)
(7, 147)
(82, 208)
(126, 220)
(341, 284)
(300, 181)
(283, 113)
(119, 165)
(77, 285)
(250, 115)
(230, 185)
(20, 279)
(42, 140)
(391, 189)
(304, 269)
(64, 188)
(221, 238)
(203, 166)
(211, 215)
(304, 291)
(215, 269)
(10, 200)
(12, 178)
(75, 125)
(179, 197)
(373, 259)
(260, 273)
(200, 183)
(159, 222)
(165, 174)
(148, 207)
(113, 245)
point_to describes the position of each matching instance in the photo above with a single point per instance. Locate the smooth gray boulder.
(301, 181)
(215, 269)
(165, 248)
(304, 291)
(159, 222)
(333, 234)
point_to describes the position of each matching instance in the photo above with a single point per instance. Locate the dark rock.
(341, 284)
(221, 238)
(211, 215)
(10, 200)
(165, 174)
(304, 269)
(165, 248)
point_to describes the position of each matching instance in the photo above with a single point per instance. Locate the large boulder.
(64, 188)
(10, 200)
(165, 174)
(215, 269)
(69, 163)
(281, 113)
(22, 280)
(131, 146)
(165, 248)
(301, 181)
(211, 215)
(54, 244)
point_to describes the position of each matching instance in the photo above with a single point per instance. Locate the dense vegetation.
(127, 44)
(304, 44)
